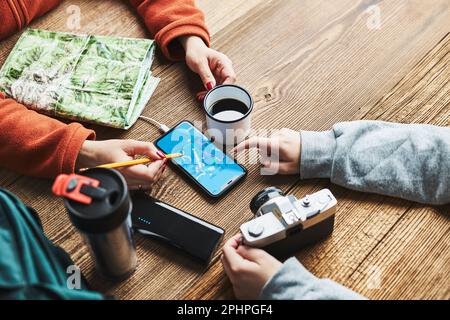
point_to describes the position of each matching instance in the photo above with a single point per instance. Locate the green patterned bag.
(97, 79)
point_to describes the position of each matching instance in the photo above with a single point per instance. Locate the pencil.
(137, 161)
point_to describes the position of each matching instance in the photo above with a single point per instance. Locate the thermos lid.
(103, 213)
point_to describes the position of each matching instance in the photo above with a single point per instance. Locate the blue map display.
(207, 164)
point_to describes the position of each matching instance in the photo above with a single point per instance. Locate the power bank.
(183, 230)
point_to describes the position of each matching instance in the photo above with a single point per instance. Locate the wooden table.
(308, 64)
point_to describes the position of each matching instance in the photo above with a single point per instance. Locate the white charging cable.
(161, 127)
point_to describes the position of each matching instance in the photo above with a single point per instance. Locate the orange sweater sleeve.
(17, 14)
(31, 143)
(37, 145)
(170, 19)
(165, 19)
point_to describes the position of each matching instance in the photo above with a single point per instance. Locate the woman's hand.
(249, 269)
(212, 66)
(279, 154)
(94, 153)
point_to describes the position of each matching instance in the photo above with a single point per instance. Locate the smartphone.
(174, 226)
(206, 165)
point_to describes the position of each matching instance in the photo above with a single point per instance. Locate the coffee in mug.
(228, 113)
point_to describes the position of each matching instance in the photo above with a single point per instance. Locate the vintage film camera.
(283, 224)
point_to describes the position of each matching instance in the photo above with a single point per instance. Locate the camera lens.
(263, 196)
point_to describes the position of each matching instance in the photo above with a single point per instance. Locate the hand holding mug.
(213, 67)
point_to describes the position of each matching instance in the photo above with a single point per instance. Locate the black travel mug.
(105, 223)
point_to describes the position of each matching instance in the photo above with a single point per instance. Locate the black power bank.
(179, 228)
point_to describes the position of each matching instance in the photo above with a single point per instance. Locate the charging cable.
(161, 127)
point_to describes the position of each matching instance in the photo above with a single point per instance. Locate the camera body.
(283, 224)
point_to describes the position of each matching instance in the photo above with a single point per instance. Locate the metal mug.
(231, 122)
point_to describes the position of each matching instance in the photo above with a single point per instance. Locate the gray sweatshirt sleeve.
(409, 161)
(294, 282)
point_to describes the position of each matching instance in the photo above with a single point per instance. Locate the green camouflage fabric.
(97, 79)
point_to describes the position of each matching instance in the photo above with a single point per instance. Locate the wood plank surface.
(308, 65)
(374, 234)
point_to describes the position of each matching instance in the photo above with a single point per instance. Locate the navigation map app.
(207, 164)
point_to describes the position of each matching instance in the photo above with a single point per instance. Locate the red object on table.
(69, 186)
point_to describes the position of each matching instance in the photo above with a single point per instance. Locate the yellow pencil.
(137, 161)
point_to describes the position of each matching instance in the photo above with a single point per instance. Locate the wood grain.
(377, 234)
(308, 65)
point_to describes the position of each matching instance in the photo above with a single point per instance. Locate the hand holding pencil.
(116, 165)
(138, 176)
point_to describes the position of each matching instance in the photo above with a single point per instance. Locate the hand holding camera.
(282, 225)
(279, 154)
(248, 268)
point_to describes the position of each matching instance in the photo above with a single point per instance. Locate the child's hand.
(249, 269)
(212, 66)
(280, 153)
(94, 153)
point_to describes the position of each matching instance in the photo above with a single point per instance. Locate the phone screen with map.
(208, 166)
